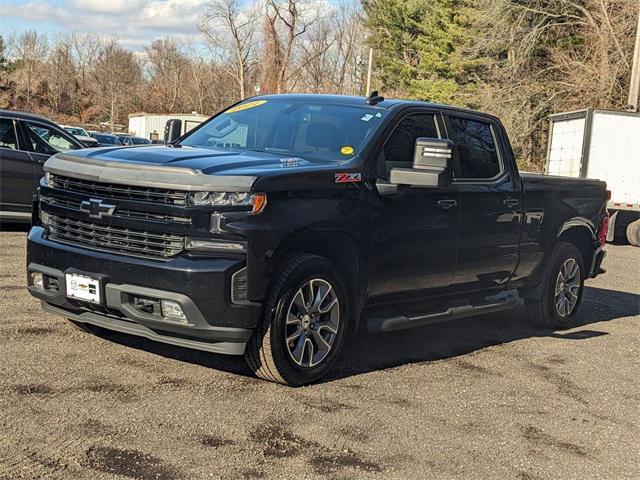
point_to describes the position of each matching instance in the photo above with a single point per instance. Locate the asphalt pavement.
(490, 397)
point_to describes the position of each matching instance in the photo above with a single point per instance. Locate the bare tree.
(168, 67)
(118, 76)
(30, 51)
(285, 22)
(230, 31)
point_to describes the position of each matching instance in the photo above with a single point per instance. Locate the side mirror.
(172, 130)
(431, 164)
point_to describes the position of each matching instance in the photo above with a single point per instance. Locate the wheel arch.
(583, 235)
(339, 248)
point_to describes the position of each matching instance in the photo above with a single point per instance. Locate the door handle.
(511, 202)
(447, 204)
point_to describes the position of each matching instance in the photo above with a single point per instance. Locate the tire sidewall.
(315, 267)
(564, 252)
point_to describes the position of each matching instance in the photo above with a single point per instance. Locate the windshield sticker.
(348, 177)
(289, 162)
(366, 117)
(246, 106)
(346, 150)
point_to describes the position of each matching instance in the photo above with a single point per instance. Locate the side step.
(496, 303)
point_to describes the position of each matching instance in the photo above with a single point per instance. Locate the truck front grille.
(127, 241)
(124, 192)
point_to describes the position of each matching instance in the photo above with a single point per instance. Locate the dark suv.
(26, 142)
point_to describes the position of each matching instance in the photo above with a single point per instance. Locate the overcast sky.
(135, 22)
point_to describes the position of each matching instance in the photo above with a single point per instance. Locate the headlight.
(256, 201)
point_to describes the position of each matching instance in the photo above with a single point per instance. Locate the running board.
(495, 303)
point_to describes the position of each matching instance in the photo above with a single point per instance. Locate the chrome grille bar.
(107, 190)
(125, 241)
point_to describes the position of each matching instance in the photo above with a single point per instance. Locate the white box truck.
(604, 145)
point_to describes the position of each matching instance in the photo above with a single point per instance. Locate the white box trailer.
(605, 145)
(151, 125)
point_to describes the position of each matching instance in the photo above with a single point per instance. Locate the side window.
(476, 149)
(399, 149)
(43, 139)
(8, 137)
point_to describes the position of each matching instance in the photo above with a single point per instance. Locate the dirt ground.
(490, 397)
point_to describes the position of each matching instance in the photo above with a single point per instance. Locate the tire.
(633, 233)
(550, 311)
(303, 359)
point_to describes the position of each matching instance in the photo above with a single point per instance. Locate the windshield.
(312, 131)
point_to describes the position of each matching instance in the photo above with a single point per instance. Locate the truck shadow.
(367, 352)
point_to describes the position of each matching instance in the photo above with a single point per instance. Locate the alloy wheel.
(567, 287)
(312, 321)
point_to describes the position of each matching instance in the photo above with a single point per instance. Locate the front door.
(490, 203)
(16, 173)
(414, 230)
(43, 141)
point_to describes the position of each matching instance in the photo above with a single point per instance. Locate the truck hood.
(185, 168)
(209, 161)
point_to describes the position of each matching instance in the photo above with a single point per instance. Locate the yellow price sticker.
(246, 106)
(346, 150)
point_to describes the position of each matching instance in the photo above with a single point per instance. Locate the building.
(151, 125)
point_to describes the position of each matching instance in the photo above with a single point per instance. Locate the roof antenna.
(374, 98)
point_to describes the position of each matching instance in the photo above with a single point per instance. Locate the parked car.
(286, 221)
(131, 140)
(82, 135)
(26, 142)
(106, 139)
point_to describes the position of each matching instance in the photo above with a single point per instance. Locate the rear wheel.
(303, 326)
(562, 291)
(633, 233)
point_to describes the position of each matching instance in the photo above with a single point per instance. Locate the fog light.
(172, 311)
(37, 279)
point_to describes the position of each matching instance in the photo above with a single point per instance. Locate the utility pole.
(634, 88)
(369, 68)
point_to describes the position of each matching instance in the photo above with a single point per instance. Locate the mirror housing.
(172, 130)
(431, 164)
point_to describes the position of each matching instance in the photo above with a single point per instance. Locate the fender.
(571, 230)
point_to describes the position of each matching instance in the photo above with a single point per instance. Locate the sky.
(135, 22)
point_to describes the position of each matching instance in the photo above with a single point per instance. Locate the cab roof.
(387, 103)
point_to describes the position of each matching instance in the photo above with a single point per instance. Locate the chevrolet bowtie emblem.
(96, 209)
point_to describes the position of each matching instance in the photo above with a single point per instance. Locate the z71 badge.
(348, 177)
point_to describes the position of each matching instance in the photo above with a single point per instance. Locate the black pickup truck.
(286, 221)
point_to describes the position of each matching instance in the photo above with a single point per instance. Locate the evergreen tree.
(420, 48)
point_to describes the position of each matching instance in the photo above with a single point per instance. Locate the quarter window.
(8, 134)
(476, 149)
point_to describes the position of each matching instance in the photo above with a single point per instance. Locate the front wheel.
(303, 326)
(562, 290)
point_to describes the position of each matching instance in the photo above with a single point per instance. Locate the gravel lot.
(490, 397)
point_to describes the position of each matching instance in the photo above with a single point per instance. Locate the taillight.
(604, 228)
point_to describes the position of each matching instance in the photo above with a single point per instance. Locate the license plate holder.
(83, 287)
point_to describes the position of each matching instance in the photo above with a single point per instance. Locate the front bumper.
(201, 286)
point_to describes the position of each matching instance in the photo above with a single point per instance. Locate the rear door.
(16, 173)
(490, 203)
